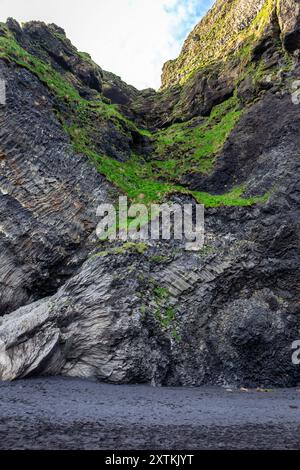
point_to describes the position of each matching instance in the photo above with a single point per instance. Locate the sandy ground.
(59, 413)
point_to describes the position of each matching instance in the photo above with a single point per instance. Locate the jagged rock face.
(211, 61)
(48, 195)
(51, 45)
(153, 313)
(48, 43)
(215, 36)
(237, 311)
(258, 153)
(225, 29)
(289, 20)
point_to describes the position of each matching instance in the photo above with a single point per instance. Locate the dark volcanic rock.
(48, 195)
(289, 20)
(155, 313)
(50, 43)
(237, 312)
(262, 153)
(68, 413)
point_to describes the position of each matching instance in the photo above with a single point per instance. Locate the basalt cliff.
(223, 131)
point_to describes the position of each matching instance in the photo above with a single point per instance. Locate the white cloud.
(132, 38)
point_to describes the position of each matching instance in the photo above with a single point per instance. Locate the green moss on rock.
(185, 148)
(128, 247)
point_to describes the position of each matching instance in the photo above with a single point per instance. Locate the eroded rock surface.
(289, 20)
(235, 307)
(152, 312)
(49, 195)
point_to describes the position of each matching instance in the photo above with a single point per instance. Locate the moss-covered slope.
(222, 32)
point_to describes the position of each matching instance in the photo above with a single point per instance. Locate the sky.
(131, 38)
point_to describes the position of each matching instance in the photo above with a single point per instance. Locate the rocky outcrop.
(289, 21)
(73, 136)
(50, 44)
(225, 30)
(48, 195)
(216, 36)
(235, 310)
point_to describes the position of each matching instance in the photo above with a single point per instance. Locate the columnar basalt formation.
(222, 131)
